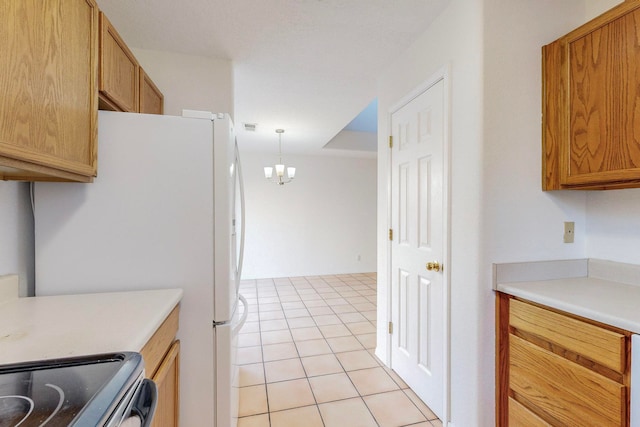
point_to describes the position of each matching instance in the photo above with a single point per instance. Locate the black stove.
(86, 391)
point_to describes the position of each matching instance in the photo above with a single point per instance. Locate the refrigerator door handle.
(245, 314)
(242, 213)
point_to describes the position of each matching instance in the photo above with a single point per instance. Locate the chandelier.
(279, 178)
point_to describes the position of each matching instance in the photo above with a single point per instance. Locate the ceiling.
(307, 66)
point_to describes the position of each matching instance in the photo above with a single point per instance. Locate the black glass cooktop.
(53, 393)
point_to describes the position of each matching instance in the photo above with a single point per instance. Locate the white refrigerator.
(166, 211)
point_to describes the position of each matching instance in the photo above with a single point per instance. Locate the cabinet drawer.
(568, 392)
(519, 416)
(154, 350)
(597, 344)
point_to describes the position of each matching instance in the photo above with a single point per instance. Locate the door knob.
(433, 266)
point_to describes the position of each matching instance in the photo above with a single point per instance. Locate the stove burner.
(7, 410)
(53, 394)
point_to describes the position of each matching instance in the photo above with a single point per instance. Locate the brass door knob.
(433, 266)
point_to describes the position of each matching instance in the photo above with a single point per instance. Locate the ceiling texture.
(307, 66)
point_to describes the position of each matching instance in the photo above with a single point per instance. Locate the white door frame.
(444, 75)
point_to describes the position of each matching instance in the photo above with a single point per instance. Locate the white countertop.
(39, 328)
(606, 292)
(612, 303)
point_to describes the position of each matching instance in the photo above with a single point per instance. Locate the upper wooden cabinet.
(591, 104)
(151, 99)
(48, 89)
(118, 71)
(124, 85)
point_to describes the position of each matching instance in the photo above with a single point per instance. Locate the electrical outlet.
(569, 230)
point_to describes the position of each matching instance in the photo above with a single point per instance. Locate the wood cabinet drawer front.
(570, 393)
(154, 350)
(519, 416)
(600, 345)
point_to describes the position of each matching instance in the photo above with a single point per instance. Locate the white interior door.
(417, 218)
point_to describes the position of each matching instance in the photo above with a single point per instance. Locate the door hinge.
(391, 234)
(390, 141)
(390, 328)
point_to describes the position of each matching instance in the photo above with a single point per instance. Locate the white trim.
(443, 74)
(389, 282)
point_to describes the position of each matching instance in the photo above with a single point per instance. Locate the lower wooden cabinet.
(556, 369)
(167, 378)
(161, 356)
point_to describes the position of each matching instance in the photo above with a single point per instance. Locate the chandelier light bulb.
(279, 177)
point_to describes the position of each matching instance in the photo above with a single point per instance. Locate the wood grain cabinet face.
(161, 355)
(554, 369)
(48, 89)
(118, 71)
(151, 99)
(167, 379)
(591, 104)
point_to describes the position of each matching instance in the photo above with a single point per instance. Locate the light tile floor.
(306, 356)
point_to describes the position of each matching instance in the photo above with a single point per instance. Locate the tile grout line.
(338, 288)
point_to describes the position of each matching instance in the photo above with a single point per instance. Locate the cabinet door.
(118, 71)
(48, 89)
(167, 378)
(604, 99)
(151, 99)
(591, 104)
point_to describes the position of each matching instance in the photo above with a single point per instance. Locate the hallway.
(306, 356)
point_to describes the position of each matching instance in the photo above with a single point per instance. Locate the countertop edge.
(596, 309)
(161, 315)
(604, 291)
(53, 327)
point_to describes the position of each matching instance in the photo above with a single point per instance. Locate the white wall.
(318, 224)
(613, 225)
(16, 234)
(596, 7)
(188, 81)
(455, 40)
(498, 210)
(521, 222)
